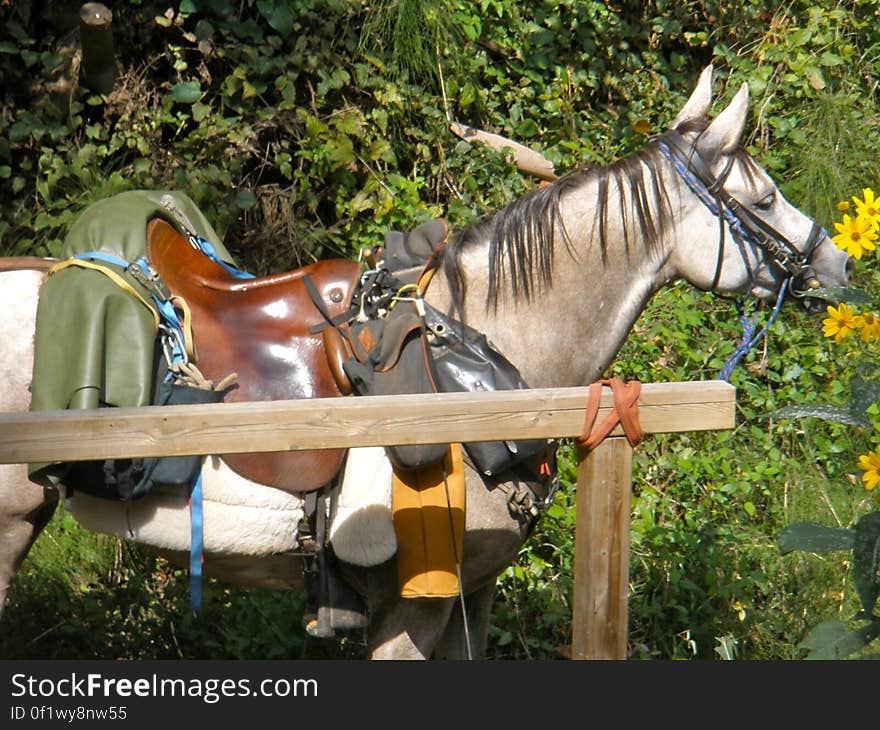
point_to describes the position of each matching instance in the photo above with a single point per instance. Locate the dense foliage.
(306, 129)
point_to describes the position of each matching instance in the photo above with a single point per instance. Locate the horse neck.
(568, 332)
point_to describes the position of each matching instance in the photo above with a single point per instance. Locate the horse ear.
(723, 135)
(697, 106)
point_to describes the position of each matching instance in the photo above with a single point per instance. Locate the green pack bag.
(95, 342)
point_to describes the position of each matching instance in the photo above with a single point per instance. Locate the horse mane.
(521, 236)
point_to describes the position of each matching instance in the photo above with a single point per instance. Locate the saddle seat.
(260, 329)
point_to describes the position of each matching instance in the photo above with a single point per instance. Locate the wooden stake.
(96, 37)
(601, 559)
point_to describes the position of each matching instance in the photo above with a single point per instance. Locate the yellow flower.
(870, 464)
(870, 328)
(843, 206)
(869, 207)
(842, 322)
(855, 235)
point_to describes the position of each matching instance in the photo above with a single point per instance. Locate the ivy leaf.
(527, 128)
(831, 640)
(866, 560)
(814, 538)
(245, 199)
(186, 92)
(277, 15)
(834, 414)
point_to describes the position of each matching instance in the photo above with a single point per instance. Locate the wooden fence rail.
(601, 562)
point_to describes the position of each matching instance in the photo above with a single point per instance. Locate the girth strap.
(625, 412)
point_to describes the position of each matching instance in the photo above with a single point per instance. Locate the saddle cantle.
(260, 329)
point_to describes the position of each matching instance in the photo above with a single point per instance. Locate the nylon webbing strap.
(206, 248)
(165, 315)
(625, 411)
(195, 551)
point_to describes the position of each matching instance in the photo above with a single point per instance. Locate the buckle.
(149, 279)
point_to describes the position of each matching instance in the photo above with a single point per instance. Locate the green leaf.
(831, 640)
(186, 92)
(526, 128)
(862, 391)
(814, 538)
(841, 294)
(277, 15)
(834, 414)
(866, 559)
(245, 199)
(815, 77)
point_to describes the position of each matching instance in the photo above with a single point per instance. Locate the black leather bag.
(464, 360)
(388, 358)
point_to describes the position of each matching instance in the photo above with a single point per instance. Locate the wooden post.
(601, 558)
(98, 58)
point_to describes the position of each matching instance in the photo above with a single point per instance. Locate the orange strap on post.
(625, 412)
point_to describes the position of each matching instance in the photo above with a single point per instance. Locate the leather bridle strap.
(743, 222)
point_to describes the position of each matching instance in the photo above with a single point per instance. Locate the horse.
(555, 281)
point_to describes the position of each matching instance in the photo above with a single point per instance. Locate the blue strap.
(101, 256)
(206, 248)
(170, 319)
(195, 550)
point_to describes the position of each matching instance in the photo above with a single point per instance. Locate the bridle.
(746, 227)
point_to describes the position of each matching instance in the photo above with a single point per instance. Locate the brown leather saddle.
(261, 329)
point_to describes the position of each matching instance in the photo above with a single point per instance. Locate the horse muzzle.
(810, 281)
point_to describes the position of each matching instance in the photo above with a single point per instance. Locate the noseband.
(745, 226)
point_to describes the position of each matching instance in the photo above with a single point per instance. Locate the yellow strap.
(425, 279)
(114, 277)
(180, 304)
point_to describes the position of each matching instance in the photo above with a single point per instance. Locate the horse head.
(762, 241)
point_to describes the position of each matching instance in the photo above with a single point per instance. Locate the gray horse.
(556, 281)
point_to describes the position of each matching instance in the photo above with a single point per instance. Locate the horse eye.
(766, 202)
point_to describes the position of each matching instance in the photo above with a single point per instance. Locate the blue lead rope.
(749, 339)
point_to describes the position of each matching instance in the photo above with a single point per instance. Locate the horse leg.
(400, 628)
(453, 643)
(410, 628)
(28, 508)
